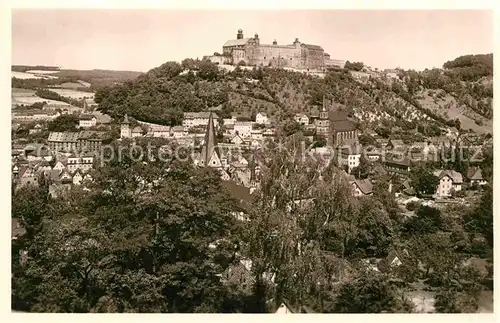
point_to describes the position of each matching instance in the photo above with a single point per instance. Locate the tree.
(423, 180)
(455, 302)
(291, 127)
(480, 220)
(65, 122)
(355, 66)
(319, 141)
(426, 220)
(189, 64)
(208, 70)
(138, 241)
(363, 169)
(370, 294)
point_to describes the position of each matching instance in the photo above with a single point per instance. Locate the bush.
(412, 206)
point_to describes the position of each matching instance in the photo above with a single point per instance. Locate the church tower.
(323, 126)
(125, 128)
(209, 154)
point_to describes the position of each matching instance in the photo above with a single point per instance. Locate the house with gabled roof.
(395, 144)
(449, 181)
(474, 176)
(77, 177)
(362, 187)
(59, 166)
(261, 118)
(394, 259)
(43, 166)
(65, 176)
(27, 176)
(87, 121)
(237, 140)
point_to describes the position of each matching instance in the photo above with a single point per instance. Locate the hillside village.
(355, 123)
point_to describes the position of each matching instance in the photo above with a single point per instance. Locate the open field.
(28, 97)
(22, 75)
(26, 75)
(41, 72)
(73, 93)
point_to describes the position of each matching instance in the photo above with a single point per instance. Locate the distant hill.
(460, 93)
(97, 78)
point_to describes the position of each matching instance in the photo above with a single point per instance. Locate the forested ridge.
(165, 92)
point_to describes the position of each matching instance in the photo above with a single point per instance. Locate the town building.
(125, 131)
(350, 154)
(397, 165)
(243, 129)
(210, 154)
(362, 187)
(196, 119)
(335, 125)
(475, 176)
(301, 118)
(261, 118)
(395, 145)
(36, 129)
(87, 121)
(449, 181)
(83, 163)
(86, 140)
(323, 123)
(63, 141)
(137, 132)
(33, 115)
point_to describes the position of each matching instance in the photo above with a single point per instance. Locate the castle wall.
(274, 55)
(298, 55)
(314, 58)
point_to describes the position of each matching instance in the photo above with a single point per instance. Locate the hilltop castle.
(251, 52)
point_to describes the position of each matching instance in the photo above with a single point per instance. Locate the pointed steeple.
(324, 107)
(210, 142)
(125, 119)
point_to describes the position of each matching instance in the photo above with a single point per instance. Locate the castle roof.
(236, 42)
(308, 46)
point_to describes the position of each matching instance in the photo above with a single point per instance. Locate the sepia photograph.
(251, 161)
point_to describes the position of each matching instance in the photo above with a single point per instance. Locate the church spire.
(125, 119)
(210, 142)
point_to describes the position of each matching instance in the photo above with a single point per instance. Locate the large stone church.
(334, 125)
(251, 52)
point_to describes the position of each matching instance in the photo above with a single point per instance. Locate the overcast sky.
(140, 40)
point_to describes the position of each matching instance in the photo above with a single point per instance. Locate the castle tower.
(256, 37)
(209, 153)
(240, 34)
(296, 43)
(125, 130)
